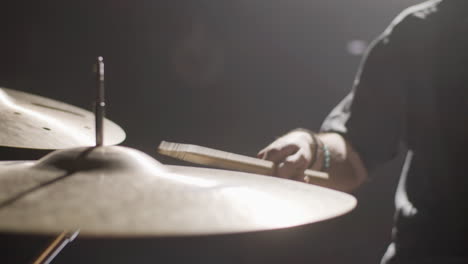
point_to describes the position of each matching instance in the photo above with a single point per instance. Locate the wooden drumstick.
(222, 159)
(56, 246)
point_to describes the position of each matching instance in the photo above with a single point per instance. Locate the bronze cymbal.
(118, 191)
(36, 122)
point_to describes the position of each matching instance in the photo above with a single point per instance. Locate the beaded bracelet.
(326, 157)
(326, 163)
(316, 147)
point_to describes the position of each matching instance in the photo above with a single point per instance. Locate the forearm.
(345, 168)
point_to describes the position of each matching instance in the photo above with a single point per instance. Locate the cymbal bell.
(121, 192)
(36, 122)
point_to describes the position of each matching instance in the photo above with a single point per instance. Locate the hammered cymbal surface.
(36, 122)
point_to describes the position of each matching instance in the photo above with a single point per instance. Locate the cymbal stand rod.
(100, 102)
(55, 247)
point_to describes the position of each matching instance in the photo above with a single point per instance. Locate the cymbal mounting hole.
(87, 127)
(17, 113)
(46, 128)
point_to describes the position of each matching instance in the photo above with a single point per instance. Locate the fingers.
(291, 154)
(278, 154)
(262, 153)
(293, 166)
(277, 151)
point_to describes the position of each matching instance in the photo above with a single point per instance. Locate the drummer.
(409, 95)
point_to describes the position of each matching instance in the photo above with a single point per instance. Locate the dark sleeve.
(372, 116)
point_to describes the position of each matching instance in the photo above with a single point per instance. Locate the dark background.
(232, 75)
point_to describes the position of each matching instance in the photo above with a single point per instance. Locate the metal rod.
(100, 102)
(55, 247)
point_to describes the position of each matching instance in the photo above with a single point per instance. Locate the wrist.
(317, 150)
(323, 156)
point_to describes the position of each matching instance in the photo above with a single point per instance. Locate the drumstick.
(222, 159)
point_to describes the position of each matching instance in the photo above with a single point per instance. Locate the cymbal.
(121, 192)
(36, 122)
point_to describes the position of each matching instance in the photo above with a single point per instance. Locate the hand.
(292, 154)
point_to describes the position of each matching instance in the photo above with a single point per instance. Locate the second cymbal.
(36, 122)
